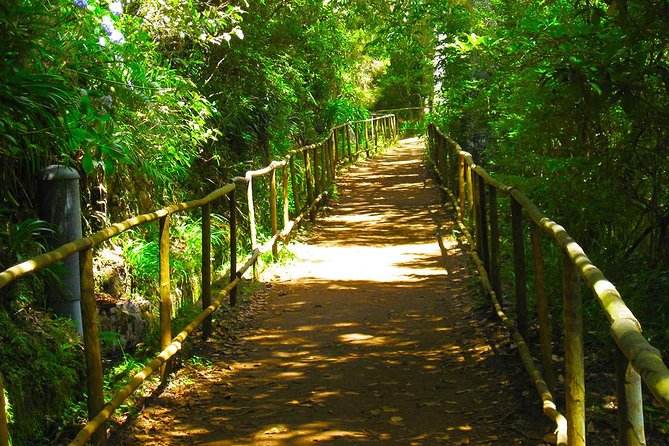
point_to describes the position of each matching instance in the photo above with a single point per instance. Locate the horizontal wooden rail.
(637, 354)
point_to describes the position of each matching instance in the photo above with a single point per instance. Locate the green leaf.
(87, 163)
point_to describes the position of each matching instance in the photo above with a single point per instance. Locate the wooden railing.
(312, 171)
(475, 196)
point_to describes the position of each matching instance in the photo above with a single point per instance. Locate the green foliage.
(42, 364)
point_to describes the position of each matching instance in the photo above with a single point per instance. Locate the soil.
(375, 332)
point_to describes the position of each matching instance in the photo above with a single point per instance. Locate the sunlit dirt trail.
(370, 336)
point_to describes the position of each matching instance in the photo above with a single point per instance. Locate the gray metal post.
(58, 200)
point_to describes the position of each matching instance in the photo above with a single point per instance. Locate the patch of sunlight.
(363, 339)
(262, 337)
(345, 324)
(396, 263)
(355, 218)
(296, 364)
(325, 394)
(281, 434)
(290, 375)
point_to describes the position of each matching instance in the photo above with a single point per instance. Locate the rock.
(129, 320)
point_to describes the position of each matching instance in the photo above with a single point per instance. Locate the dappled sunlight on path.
(369, 337)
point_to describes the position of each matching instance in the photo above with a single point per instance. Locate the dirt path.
(371, 336)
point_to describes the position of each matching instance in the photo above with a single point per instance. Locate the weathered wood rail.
(475, 196)
(306, 176)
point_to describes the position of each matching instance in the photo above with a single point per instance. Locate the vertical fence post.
(252, 223)
(476, 210)
(273, 211)
(495, 270)
(366, 123)
(293, 184)
(89, 314)
(284, 187)
(4, 425)
(357, 138)
(574, 359)
(630, 403)
(324, 157)
(470, 192)
(336, 140)
(461, 185)
(316, 166)
(519, 267)
(206, 267)
(164, 290)
(483, 223)
(375, 133)
(543, 313)
(348, 142)
(233, 244)
(310, 189)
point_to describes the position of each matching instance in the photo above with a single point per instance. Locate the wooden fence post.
(317, 177)
(293, 183)
(336, 140)
(630, 403)
(252, 223)
(347, 129)
(357, 138)
(4, 425)
(89, 314)
(273, 211)
(310, 189)
(495, 270)
(483, 222)
(233, 244)
(574, 360)
(284, 186)
(470, 193)
(543, 313)
(375, 133)
(164, 290)
(461, 186)
(519, 267)
(206, 268)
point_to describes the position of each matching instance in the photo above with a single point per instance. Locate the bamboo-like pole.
(357, 139)
(470, 193)
(252, 221)
(310, 189)
(273, 210)
(630, 403)
(495, 269)
(375, 133)
(164, 291)
(89, 315)
(233, 245)
(519, 267)
(4, 425)
(543, 311)
(317, 167)
(483, 225)
(336, 140)
(295, 188)
(284, 192)
(347, 129)
(206, 267)
(574, 359)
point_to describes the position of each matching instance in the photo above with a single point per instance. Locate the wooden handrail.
(636, 351)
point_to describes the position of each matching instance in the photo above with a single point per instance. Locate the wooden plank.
(89, 315)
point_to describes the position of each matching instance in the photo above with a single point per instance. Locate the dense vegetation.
(158, 101)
